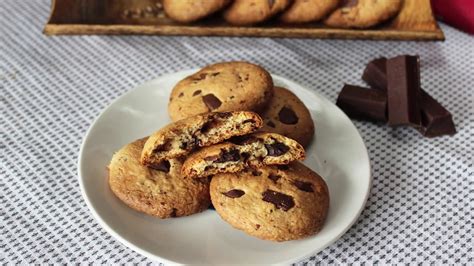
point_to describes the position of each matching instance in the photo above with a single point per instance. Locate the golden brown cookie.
(287, 115)
(186, 11)
(179, 138)
(254, 150)
(272, 203)
(302, 11)
(363, 13)
(162, 191)
(229, 86)
(248, 12)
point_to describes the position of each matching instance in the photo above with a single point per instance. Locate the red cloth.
(458, 13)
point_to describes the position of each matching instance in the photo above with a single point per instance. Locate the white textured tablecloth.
(420, 207)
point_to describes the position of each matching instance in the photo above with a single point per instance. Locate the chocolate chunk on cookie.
(248, 12)
(363, 13)
(186, 11)
(292, 206)
(303, 11)
(257, 150)
(159, 191)
(222, 87)
(179, 138)
(287, 115)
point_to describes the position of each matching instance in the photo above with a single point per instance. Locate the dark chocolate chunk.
(256, 173)
(436, 120)
(280, 200)
(276, 149)
(223, 114)
(274, 177)
(403, 90)
(234, 193)
(231, 155)
(173, 212)
(283, 167)
(271, 124)
(181, 95)
(375, 74)
(164, 166)
(303, 186)
(211, 101)
(196, 92)
(287, 116)
(242, 140)
(200, 77)
(363, 103)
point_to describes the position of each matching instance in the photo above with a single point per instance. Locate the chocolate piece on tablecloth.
(358, 102)
(436, 120)
(403, 91)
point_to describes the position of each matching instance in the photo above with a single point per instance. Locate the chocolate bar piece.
(435, 119)
(363, 103)
(403, 90)
(375, 74)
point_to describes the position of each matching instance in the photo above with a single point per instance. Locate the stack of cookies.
(334, 13)
(236, 142)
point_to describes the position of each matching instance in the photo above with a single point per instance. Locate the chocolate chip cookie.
(186, 11)
(287, 115)
(254, 150)
(277, 203)
(248, 12)
(179, 138)
(363, 13)
(161, 191)
(302, 11)
(229, 86)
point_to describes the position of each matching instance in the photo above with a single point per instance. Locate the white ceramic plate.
(338, 154)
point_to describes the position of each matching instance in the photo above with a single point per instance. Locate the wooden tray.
(414, 22)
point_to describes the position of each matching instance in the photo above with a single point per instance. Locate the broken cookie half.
(254, 150)
(181, 137)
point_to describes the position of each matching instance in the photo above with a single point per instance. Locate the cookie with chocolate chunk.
(160, 191)
(249, 12)
(254, 150)
(302, 11)
(363, 13)
(277, 203)
(229, 86)
(287, 115)
(179, 138)
(186, 11)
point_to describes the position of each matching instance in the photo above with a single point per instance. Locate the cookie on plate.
(179, 138)
(287, 115)
(186, 11)
(229, 86)
(302, 11)
(248, 12)
(363, 13)
(277, 203)
(254, 150)
(161, 191)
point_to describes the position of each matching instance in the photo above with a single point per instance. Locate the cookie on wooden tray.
(363, 13)
(229, 86)
(254, 150)
(302, 11)
(249, 12)
(161, 191)
(186, 11)
(287, 115)
(272, 203)
(179, 138)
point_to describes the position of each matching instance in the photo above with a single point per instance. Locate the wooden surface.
(72, 17)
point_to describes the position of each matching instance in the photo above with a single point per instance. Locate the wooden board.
(72, 17)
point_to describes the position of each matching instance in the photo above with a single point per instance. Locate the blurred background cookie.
(302, 11)
(287, 115)
(363, 13)
(192, 10)
(248, 12)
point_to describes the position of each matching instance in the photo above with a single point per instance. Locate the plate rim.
(157, 258)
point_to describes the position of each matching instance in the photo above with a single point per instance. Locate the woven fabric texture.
(421, 205)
